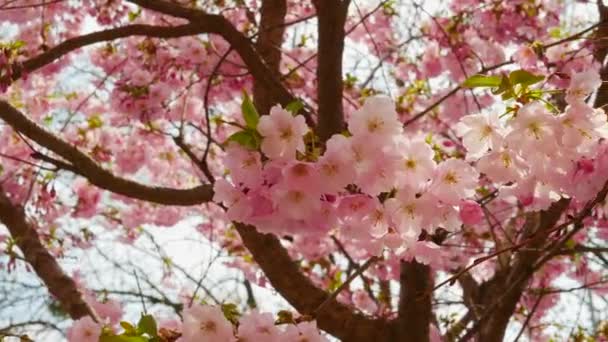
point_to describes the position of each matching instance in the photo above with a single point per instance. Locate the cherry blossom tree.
(394, 170)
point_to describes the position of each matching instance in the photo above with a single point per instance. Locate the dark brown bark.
(332, 17)
(285, 276)
(601, 50)
(60, 285)
(415, 310)
(270, 38)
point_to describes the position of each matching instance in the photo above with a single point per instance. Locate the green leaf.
(294, 107)
(250, 114)
(482, 81)
(122, 338)
(570, 244)
(336, 281)
(129, 328)
(231, 312)
(284, 317)
(95, 122)
(555, 32)
(524, 78)
(147, 325)
(48, 120)
(247, 138)
(134, 15)
(505, 85)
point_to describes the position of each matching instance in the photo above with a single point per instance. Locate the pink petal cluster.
(340, 190)
(204, 323)
(538, 156)
(84, 330)
(207, 323)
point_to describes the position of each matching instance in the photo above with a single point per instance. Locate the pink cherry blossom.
(239, 208)
(257, 326)
(479, 133)
(377, 119)
(204, 323)
(84, 330)
(407, 211)
(336, 166)
(88, 199)
(582, 85)
(470, 212)
(282, 133)
(526, 57)
(362, 300)
(534, 128)
(296, 203)
(453, 181)
(502, 166)
(245, 166)
(417, 164)
(380, 175)
(582, 125)
(301, 175)
(303, 332)
(110, 310)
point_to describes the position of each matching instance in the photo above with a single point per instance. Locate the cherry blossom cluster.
(205, 323)
(379, 189)
(538, 156)
(373, 184)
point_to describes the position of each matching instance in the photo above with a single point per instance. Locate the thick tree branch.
(60, 285)
(470, 292)
(270, 39)
(87, 167)
(285, 276)
(76, 43)
(332, 17)
(600, 41)
(415, 310)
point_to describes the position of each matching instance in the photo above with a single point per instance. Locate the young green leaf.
(147, 325)
(247, 138)
(476, 81)
(294, 107)
(231, 312)
(250, 114)
(129, 328)
(122, 338)
(524, 78)
(284, 317)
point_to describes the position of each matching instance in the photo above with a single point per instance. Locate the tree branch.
(332, 17)
(87, 167)
(415, 307)
(76, 43)
(285, 276)
(270, 39)
(60, 285)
